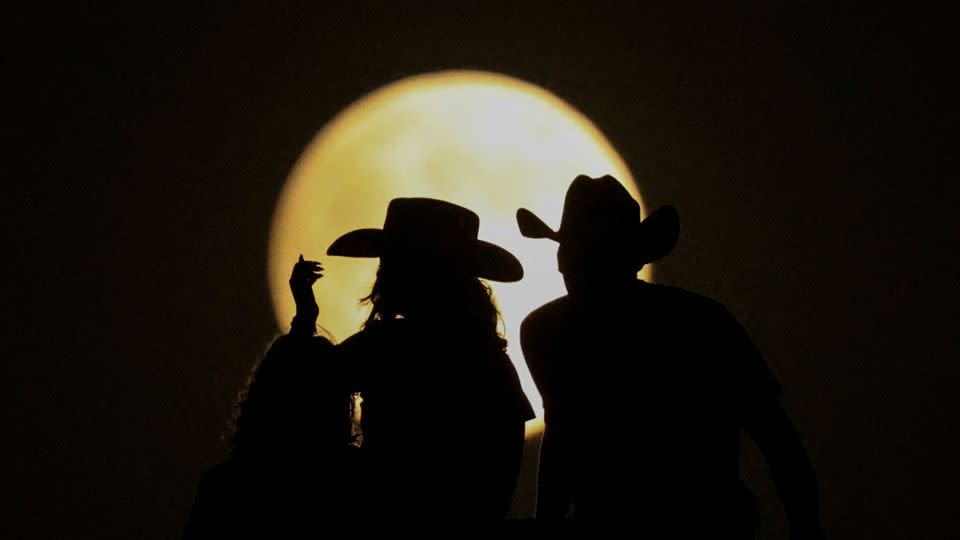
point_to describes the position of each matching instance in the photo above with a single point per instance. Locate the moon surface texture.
(485, 141)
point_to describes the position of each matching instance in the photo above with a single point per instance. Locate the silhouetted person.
(646, 388)
(443, 411)
(291, 465)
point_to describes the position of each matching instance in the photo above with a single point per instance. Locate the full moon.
(485, 141)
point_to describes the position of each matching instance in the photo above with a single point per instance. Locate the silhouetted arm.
(554, 493)
(773, 432)
(302, 278)
(766, 422)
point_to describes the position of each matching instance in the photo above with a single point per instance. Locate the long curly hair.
(443, 295)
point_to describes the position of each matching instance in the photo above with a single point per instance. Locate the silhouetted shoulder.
(540, 333)
(290, 347)
(292, 363)
(373, 332)
(372, 352)
(292, 360)
(545, 314)
(679, 297)
(730, 343)
(373, 340)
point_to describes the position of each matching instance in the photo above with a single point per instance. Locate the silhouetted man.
(646, 387)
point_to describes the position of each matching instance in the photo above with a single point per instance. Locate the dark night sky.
(806, 149)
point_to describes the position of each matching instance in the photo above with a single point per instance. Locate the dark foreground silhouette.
(291, 465)
(443, 412)
(646, 388)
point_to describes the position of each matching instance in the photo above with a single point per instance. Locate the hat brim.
(365, 243)
(495, 263)
(657, 234)
(489, 261)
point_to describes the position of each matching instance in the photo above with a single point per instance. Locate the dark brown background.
(806, 149)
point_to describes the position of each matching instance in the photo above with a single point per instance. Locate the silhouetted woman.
(291, 465)
(443, 411)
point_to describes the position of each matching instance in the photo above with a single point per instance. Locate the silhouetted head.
(603, 241)
(431, 263)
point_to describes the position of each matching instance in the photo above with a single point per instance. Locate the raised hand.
(304, 275)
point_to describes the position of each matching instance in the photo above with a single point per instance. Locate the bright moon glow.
(484, 141)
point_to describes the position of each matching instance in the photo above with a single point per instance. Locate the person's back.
(443, 411)
(646, 388)
(442, 421)
(650, 389)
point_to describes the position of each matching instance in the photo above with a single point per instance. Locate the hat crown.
(601, 220)
(597, 208)
(424, 219)
(433, 232)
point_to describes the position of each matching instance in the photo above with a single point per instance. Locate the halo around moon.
(485, 141)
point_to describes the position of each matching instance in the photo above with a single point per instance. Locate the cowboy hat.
(599, 213)
(436, 229)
